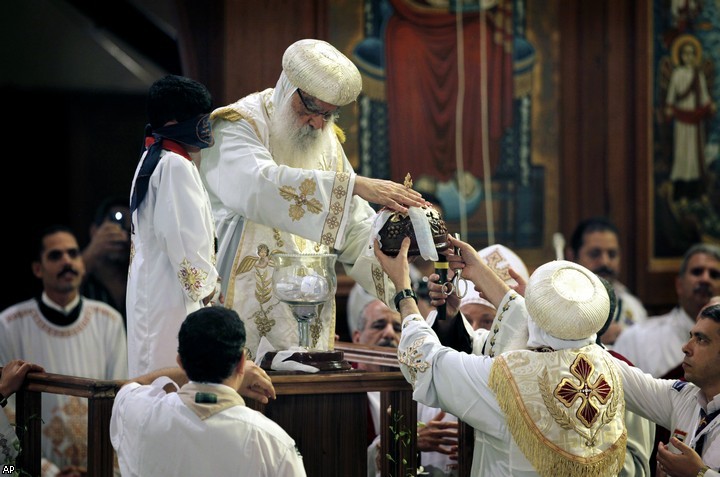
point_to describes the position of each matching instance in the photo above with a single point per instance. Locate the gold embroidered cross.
(567, 392)
(300, 199)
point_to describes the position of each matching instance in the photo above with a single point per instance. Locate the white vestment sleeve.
(454, 381)
(647, 396)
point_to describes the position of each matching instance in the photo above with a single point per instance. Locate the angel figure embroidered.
(262, 265)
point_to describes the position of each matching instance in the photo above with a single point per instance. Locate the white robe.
(172, 262)
(655, 346)
(155, 433)
(93, 346)
(510, 332)
(256, 202)
(460, 384)
(674, 405)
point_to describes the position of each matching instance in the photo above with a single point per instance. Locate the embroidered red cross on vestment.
(567, 392)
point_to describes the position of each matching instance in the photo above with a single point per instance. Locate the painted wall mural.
(686, 125)
(447, 97)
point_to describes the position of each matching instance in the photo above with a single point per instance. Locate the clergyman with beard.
(278, 177)
(595, 244)
(65, 333)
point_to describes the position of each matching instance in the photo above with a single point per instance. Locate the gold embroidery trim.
(338, 199)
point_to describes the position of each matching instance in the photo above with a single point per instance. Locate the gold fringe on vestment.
(548, 459)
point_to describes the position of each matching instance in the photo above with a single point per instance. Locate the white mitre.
(322, 71)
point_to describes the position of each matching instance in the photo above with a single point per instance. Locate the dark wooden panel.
(257, 34)
(656, 287)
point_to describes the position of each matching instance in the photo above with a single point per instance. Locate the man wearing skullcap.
(480, 312)
(554, 408)
(510, 332)
(278, 178)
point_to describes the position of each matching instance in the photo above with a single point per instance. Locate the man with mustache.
(595, 245)
(278, 176)
(372, 322)
(65, 333)
(655, 346)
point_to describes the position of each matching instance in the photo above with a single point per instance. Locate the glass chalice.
(305, 282)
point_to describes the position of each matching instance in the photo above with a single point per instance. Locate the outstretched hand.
(686, 464)
(387, 193)
(438, 297)
(521, 283)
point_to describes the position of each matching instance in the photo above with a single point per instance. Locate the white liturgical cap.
(322, 71)
(567, 300)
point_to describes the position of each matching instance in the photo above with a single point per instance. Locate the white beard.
(297, 146)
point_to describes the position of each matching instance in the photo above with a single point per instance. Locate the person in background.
(192, 420)
(372, 322)
(107, 256)
(656, 345)
(65, 333)
(476, 309)
(595, 244)
(172, 265)
(11, 378)
(689, 406)
(278, 176)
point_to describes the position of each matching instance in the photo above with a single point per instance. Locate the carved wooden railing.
(100, 395)
(326, 414)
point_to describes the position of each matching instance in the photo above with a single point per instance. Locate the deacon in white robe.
(226, 439)
(172, 266)
(172, 255)
(555, 408)
(93, 346)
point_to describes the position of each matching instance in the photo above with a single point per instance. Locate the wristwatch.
(702, 471)
(401, 295)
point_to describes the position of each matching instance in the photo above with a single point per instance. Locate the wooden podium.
(327, 415)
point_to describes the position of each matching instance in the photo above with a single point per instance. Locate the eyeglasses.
(314, 110)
